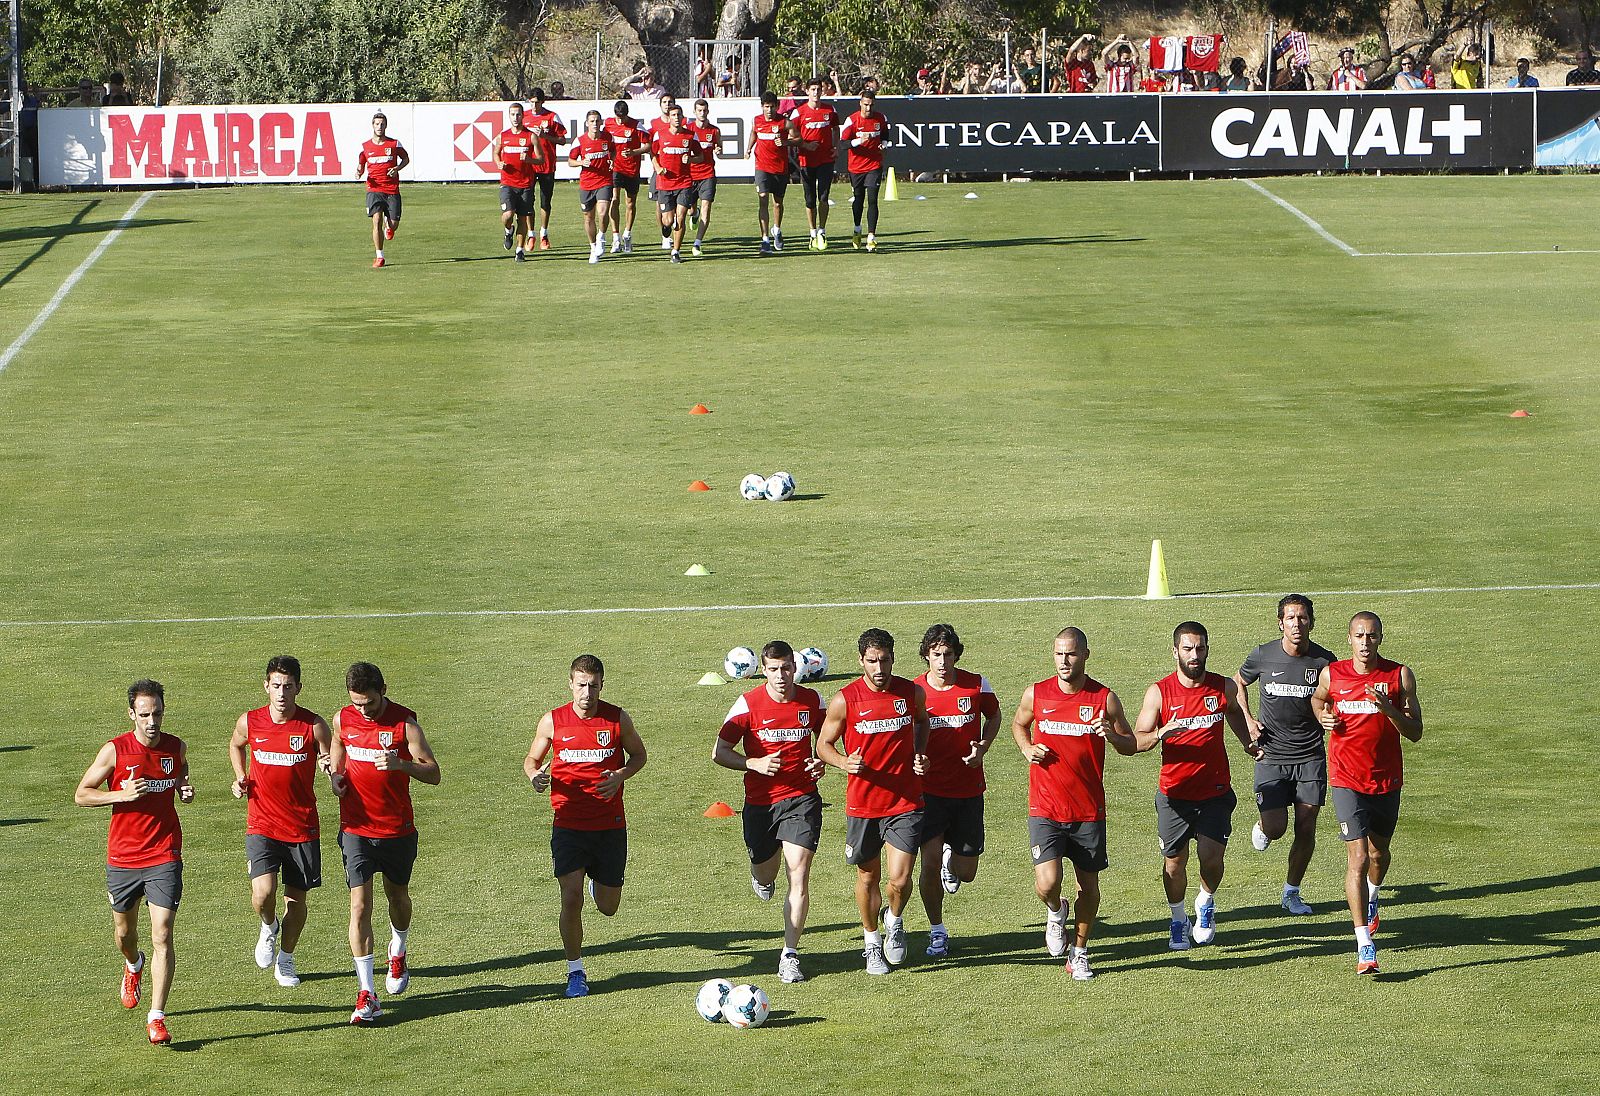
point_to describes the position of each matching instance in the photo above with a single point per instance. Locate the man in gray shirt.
(1293, 767)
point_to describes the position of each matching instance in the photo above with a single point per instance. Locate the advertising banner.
(995, 134)
(1568, 127)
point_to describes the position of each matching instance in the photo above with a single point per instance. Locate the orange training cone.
(699, 485)
(719, 809)
(1519, 413)
(699, 409)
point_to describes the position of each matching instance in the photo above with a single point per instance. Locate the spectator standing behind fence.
(972, 81)
(643, 85)
(1408, 79)
(1034, 76)
(1523, 78)
(558, 92)
(1584, 75)
(1237, 80)
(1122, 65)
(924, 84)
(1078, 71)
(88, 94)
(704, 74)
(1002, 84)
(117, 92)
(1348, 76)
(1466, 71)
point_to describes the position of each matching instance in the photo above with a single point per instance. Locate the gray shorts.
(1277, 786)
(864, 837)
(625, 184)
(365, 857)
(1362, 815)
(298, 863)
(705, 190)
(669, 200)
(772, 182)
(1179, 821)
(602, 855)
(793, 821)
(161, 886)
(387, 204)
(1083, 843)
(516, 199)
(959, 820)
(588, 198)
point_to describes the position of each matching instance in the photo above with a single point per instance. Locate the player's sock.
(1057, 915)
(872, 937)
(397, 940)
(857, 229)
(135, 967)
(575, 966)
(380, 252)
(154, 1015)
(936, 928)
(890, 919)
(1204, 898)
(786, 952)
(1363, 937)
(1177, 911)
(1290, 888)
(364, 972)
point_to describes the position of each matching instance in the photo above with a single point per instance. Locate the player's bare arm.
(919, 732)
(185, 786)
(989, 705)
(89, 793)
(1405, 712)
(1148, 730)
(1319, 702)
(1250, 721)
(832, 731)
(533, 765)
(238, 753)
(402, 160)
(1022, 730)
(423, 765)
(1236, 721)
(322, 735)
(632, 748)
(729, 758)
(1114, 727)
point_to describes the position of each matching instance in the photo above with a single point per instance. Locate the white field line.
(72, 279)
(427, 614)
(1354, 254)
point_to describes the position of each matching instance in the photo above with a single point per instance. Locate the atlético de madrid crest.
(166, 765)
(1311, 677)
(297, 742)
(805, 719)
(1211, 703)
(386, 739)
(899, 706)
(964, 703)
(1085, 712)
(603, 738)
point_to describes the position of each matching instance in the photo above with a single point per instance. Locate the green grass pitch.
(232, 416)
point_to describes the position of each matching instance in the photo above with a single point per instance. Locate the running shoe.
(398, 977)
(367, 1008)
(875, 960)
(577, 984)
(133, 984)
(157, 1030)
(938, 944)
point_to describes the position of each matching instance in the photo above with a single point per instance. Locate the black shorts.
(1083, 843)
(1179, 821)
(297, 863)
(516, 199)
(866, 180)
(588, 198)
(1279, 785)
(602, 855)
(705, 190)
(387, 204)
(793, 821)
(772, 182)
(1362, 815)
(625, 184)
(864, 837)
(669, 200)
(959, 820)
(816, 180)
(161, 886)
(365, 857)
(547, 189)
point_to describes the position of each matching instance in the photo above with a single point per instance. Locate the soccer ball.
(741, 662)
(780, 487)
(746, 1007)
(753, 487)
(811, 664)
(708, 1002)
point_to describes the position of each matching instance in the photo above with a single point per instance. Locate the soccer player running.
(963, 719)
(549, 131)
(516, 150)
(593, 152)
(1062, 726)
(674, 150)
(1366, 703)
(883, 722)
(773, 727)
(380, 163)
(769, 148)
(378, 749)
(275, 752)
(1293, 766)
(659, 127)
(628, 146)
(596, 751)
(703, 172)
(814, 123)
(864, 134)
(1184, 712)
(138, 775)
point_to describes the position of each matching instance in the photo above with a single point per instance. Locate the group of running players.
(912, 753)
(683, 151)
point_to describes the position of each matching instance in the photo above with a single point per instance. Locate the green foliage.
(64, 40)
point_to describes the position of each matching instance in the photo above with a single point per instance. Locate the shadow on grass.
(812, 496)
(78, 226)
(16, 748)
(19, 821)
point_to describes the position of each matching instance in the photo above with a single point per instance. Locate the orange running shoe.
(544, 243)
(133, 984)
(388, 230)
(376, 263)
(158, 1031)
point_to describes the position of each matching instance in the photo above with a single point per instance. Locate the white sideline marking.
(72, 279)
(1046, 599)
(1354, 254)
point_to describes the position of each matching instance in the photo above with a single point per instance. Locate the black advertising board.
(1568, 126)
(1337, 131)
(993, 134)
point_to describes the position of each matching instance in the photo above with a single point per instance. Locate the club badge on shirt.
(899, 706)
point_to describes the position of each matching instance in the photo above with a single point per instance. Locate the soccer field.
(234, 439)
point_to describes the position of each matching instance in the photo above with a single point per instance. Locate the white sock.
(519, 251)
(1204, 898)
(543, 232)
(890, 920)
(791, 951)
(269, 930)
(857, 230)
(1290, 888)
(1363, 937)
(135, 967)
(936, 928)
(364, 972)
(628, 235)
(873, 938)
(1372, 891)
(154, 1014)
(380, 252)
(1177, 911)
(813, 232)
(1058, 915)
(397, 940)
(285, 958)
(1077, 951)
(575, 966)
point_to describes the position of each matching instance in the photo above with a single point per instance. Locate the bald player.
(1366, 703)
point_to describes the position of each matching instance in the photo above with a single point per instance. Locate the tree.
(64, 40)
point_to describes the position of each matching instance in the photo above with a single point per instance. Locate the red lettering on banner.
(319, 153)
(238, 145)
(191, 158)
(275, 126)
(130, 146)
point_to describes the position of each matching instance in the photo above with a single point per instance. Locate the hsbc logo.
(1306, 132)
(473, 142)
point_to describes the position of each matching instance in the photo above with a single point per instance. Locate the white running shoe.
(398, 976)
(777, 240)
(894, 943)
(1079, 965)
(666, 243)
(596, 251)
(938, 944)
(1296, 905)
(367, 1008)
(1258, 839)
(789, 970)
(947, 878)
(1205, 923)
(266, 946)
(616, 245)
(284, 973)
(627, 245)
(1055, 937)
(875, 963)
(764, 893)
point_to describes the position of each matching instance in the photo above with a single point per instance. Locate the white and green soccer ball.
(779, 487)
(741, 662)
(746, 1007)
(753, 487)
(709, 1001)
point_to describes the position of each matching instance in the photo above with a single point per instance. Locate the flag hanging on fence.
(1294, 41)
(1204, 52)
(1166, 54)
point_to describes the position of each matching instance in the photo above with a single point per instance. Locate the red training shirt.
(547, 129)
(146, 832)
(1364, 748)
(593, 154)
(381, 160)
(516, 151)
(1069, 784)
(1194, 759)
(673, 154)
(710, 138)
(585, 751)
(816, 124)
(283, 768)
(955, 723)
(626, 136)
(872, 127)
(375, 803)
(765, 726)
(880, 726)
(772, 153)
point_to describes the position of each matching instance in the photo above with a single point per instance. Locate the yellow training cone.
(890, 194)
(1157, 587)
